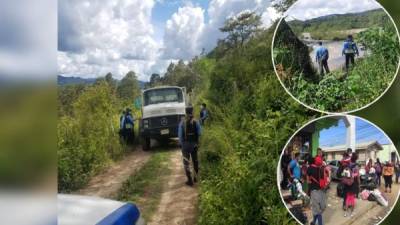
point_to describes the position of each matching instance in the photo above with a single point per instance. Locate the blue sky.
(365, 132)
(96, 36)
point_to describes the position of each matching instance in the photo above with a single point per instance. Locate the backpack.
(348, 47)
(348, 180)
(190, 131)
(128, 122)
(322, 177)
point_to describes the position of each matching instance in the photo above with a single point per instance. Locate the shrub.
(88, 140)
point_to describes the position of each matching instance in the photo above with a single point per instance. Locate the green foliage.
(181, 75)
(252, 120)
(67, 95)
(129, 89)
(241, 27)
(147, 184)
(340, 91)
(88, 140)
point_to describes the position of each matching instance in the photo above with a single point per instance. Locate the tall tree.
(155, 79)
(109, 79)
(241, 27)
(128, 89)
(282, 5)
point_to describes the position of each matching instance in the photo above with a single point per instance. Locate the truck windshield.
(162, 95)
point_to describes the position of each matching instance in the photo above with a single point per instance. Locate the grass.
(144, 188)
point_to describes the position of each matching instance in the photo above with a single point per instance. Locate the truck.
(162, 110)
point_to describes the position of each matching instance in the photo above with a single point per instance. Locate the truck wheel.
(146, 144)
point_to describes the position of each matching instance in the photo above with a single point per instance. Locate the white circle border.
(310, 122)
(322, 111)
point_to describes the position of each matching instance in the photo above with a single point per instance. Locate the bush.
(89, 140)
(252, 120)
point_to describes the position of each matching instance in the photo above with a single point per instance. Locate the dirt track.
(178, 201)
(108, 183)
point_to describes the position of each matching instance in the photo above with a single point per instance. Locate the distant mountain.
(63, 80)
(341, 22)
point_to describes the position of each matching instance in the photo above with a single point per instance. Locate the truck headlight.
(145, 123)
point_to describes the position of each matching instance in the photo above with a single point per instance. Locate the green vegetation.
(337, 27)
(88, 125)
(144, 188)
(252, 118)
(339, 91)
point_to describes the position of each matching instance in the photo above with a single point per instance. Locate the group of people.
(350, 50)
(387, 170)
(314, 176)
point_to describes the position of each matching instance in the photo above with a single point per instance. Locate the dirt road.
(108, 183)
(178, 201)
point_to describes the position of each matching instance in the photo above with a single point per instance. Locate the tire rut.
(107, 183)
(178, 204)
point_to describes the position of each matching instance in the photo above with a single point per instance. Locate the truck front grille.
(164, 121)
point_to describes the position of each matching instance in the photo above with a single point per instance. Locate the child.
(350, 190)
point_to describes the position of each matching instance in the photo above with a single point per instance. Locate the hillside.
(329, 26)
(64, 80)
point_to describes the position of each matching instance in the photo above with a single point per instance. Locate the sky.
(365, 132)
(28, 39)
(96, 36)
(309, 9)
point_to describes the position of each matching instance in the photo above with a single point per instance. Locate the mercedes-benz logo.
(164, 121)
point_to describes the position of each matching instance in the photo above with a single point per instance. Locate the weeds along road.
(153, 180)
(107, 183)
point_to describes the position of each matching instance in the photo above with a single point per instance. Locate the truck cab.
(162, 110)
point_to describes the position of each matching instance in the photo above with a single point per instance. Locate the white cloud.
(187, 33)
(97, 36)
(182, 33)
(106, 36)
(308, 9)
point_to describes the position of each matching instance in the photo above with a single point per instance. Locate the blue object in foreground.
(126, 214)
(86, 210)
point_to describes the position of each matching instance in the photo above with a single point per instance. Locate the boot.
(189, 182)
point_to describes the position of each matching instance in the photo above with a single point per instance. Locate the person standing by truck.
(203, 114)
(127, 125)
(189, 131)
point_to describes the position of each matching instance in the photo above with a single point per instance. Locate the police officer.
(350, 49)
(321, 57)
(127, 127)
(203, 114)
(189, 132)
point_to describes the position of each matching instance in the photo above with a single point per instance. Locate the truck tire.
(146, 144)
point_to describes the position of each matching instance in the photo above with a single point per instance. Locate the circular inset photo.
(339, 170)
(336, 56)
